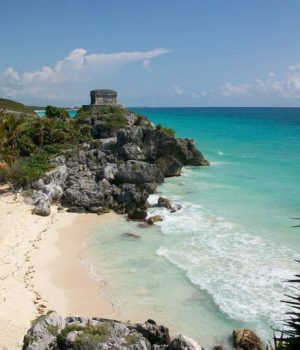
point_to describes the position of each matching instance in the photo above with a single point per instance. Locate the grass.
(88, 337)
(53, 330)
(15, 106)
(115, 121)
(26, 170)
(167, 131)
(131, 339)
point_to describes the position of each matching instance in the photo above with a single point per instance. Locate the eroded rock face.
(138, 172)
(245, 339)
(183, 343)
(41, 203)
(170, 166)
(78, 333)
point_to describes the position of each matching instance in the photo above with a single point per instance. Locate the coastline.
(61, 276)
(32, 252)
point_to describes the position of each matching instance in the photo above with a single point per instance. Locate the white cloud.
(177, 90)
(78, 66)
(235, 90)
(286, 87)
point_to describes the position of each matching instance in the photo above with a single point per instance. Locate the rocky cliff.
(126, 161)
(78, 333)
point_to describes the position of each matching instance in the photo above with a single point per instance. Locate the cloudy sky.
(153, 52)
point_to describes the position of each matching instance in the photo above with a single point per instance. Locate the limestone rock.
(156, 334)
(137, 214)
(152, 219)
(245, 339)
(43, 332)
(167, 203)
(170, 166)
(41, 203)
(183, 343)
(87, 193)
(132, 135)
(138, 172)
(57, 161)
(108, 172)
(131, 151)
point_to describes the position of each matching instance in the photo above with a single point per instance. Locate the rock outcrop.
(153, 219)
(117, 172)
(167, 203)
(54, 332)
(245, 339)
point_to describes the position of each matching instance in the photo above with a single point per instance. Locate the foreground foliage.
(290, 336)
(27, 142)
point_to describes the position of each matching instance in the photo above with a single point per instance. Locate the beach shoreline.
(61, 276)
(41, 268)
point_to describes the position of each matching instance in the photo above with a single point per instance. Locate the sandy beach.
(41, 268)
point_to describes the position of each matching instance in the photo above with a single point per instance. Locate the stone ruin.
(101, 97)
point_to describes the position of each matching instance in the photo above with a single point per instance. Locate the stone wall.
(103, 97)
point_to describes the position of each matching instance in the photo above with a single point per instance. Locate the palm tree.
(290, 337)
(14, 126)
(3, 136)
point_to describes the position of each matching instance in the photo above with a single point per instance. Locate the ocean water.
(72, 113)
(222, 261)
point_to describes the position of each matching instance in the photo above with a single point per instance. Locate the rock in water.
(167, 203)
(131, 235)
(154, 219)
(245, 339)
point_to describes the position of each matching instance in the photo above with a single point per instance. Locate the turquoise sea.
(71, 112)
(222, 261)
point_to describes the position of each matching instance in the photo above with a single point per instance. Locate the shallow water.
(221, 261)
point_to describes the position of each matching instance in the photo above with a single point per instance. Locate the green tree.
(14, 126)
(56, 113)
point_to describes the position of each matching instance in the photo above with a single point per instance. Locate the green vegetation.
(10, 105)
(28, 142)
(290, 337)
(168, 131)
(131, 339)
(56, 113)
(53, 330)
(88, 337)
(115, 122)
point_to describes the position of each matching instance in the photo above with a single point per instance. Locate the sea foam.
(243, 273)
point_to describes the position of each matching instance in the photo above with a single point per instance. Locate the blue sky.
(153, 52)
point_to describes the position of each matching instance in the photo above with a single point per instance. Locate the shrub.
(115, 122)
(28, 169)
(56, 113)
(167, 131)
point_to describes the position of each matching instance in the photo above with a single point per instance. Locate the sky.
(153, 52)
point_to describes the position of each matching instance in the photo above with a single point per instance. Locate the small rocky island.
(122, 162)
